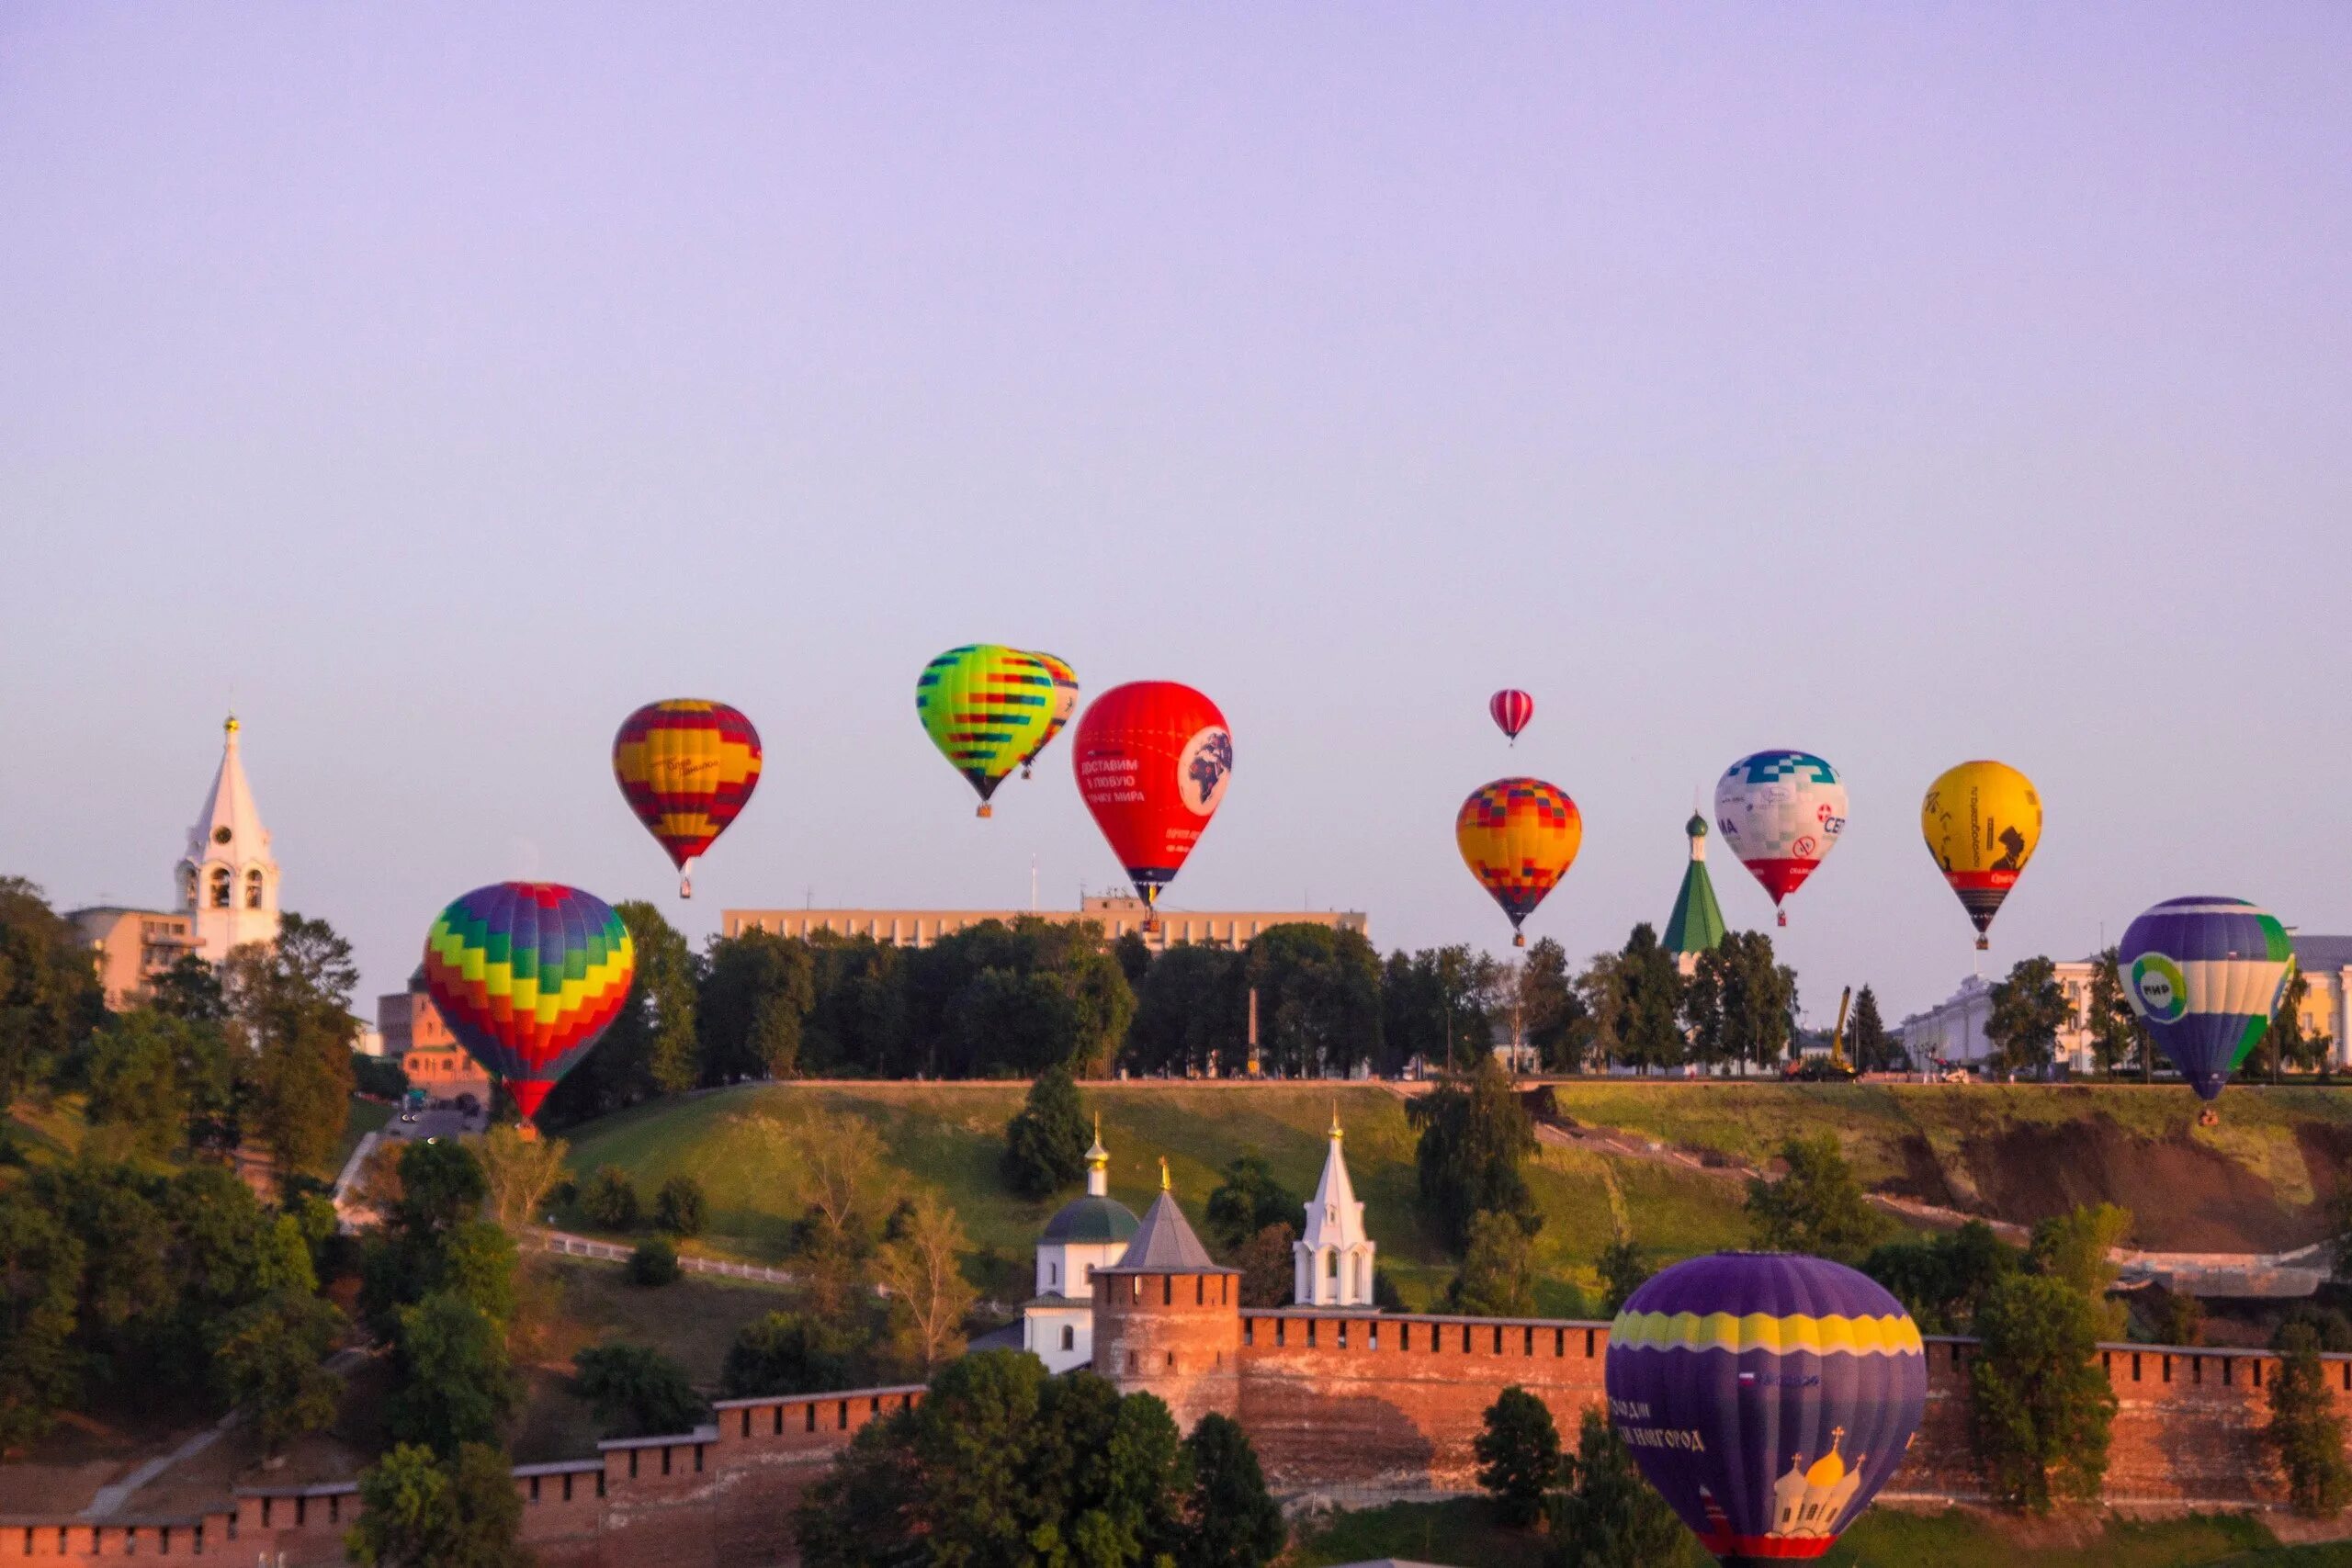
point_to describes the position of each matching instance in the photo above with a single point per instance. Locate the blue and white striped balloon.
(2204, 975)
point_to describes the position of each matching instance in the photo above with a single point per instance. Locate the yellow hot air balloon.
(1982, 821)
(1519, 837)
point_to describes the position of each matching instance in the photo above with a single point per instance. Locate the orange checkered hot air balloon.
(1519, 837)
(686, 768)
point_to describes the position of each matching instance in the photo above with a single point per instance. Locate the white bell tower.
(1333, 1258)
(228, 884)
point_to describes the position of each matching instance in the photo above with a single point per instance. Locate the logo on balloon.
(1202, 768)
(2162, 988)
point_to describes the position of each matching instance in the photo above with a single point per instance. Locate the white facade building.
(1333, 1257)
(1952, 1031)
(228, 882)
(1087, 1234)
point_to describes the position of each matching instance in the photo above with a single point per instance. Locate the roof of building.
(1334, 1217)
(1090, 1221)
(1697, 923)
(2315, 953)
(1165, 1244)
(229, 826)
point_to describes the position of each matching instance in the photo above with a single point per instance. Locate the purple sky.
(1906, 383)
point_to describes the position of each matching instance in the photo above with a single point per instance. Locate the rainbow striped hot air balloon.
(687, 767)
(1519, 837)
(1767, 1396)
(986, 706)
(1065, 704)
(2204, 975)
(527, 975)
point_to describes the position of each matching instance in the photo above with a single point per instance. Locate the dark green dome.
(1696, 827)
(1090, 1222)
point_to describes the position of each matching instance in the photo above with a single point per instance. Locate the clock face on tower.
(221, 834)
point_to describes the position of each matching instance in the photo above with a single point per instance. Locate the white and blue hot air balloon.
(2204, 975)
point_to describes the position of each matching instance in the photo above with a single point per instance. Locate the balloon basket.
(1783, 919)
(685, 887)
(1984, 944)
(985, 810)
(527, 1130)
(2209, 1117)
(1519, 938)
(1025, 770)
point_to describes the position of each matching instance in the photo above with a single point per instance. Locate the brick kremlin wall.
(1334, 1403)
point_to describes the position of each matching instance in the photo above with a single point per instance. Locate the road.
(436, 1124)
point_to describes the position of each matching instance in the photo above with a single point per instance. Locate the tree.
(1045, 1142)
(1231, 1521)
(1553, 1017)
(2339, 1232)
(1609, 1516)
(2028, 1009)
(2073, 1248)
(637, 1391)
(1942, 1280)
(1435, 1004)
(134, 1075)
(758, 990)
(1625, 1268)
(1519, 1455)
(518, 1173)
(271, 1365)
(1649, 1033)
(40, 1268)
(2116, 1035)
(1759, 1000)
(790, 1352)
(680, 1207)
(50, 997)
(1868, 1045)
(442, 1186)
(2304, 1431)
(2041, 1405)
(453, 1384)
(2285, 1043)
(418, 1511)
(1318, 998)
(1818, 1207)
(651, 1043)
(1191, 1014)
(924, 1272)
(1268, 1267)
(1497, 1277)
(610, 1199)
(1249, 1200)
(654, 1263)
(2167, 1316)
(1474, 1136)
(290, 1007)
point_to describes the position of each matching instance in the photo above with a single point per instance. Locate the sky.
(434, 384)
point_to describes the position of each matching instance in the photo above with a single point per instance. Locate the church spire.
(1098, 1164)
(1697, 924)
(1332, 1259)
(227, 879)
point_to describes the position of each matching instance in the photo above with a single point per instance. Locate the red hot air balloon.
(1152, 759)
(1512, 709)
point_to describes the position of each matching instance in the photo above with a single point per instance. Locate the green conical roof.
(1697, 923)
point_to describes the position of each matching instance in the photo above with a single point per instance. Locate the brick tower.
(1168, 1318)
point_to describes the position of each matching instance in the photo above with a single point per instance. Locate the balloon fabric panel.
(2204, 975)
(1152, 759)
(687, 768)
(1519, 837)
(985, 706)
(528, 975)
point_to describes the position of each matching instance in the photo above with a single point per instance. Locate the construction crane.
(1837, 1036)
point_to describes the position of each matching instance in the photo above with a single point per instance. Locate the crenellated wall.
(1333, 1400)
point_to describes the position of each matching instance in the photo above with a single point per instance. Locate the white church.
(1332, 1259)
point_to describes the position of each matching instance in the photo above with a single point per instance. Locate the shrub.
(788, 1352)
(609, 1199)
(655, 1262)
(1519, 1455)
(680, 1207)
(638, 1391)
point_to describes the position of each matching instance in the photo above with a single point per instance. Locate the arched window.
(221, 886)
(188, 887)
(1070, 1337)
(1363, 1292)
(253, 889)
(1053, 1276)
(1331, 1263)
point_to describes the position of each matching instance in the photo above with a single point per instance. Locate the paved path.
(110, 1499)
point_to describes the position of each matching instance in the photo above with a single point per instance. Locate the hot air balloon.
(1767, 1396)
(1065, 704)
(1152, 760)
(986, 706)
(1982, 821)
(2204, 975)
(1781, 813)
(527, 975)
(1519, 837)
(686, 768)
(1511, 708)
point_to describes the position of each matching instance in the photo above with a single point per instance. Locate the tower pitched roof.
(229, 826)
(1335, 1218)
(1697, 923)
(1164, 1243)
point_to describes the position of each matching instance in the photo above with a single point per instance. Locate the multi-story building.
(1116, 915)
(132, 947)
(417, 1037)
(1952, 1031)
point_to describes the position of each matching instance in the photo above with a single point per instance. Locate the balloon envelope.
(985, 706)
(1065, 704)
(1519, 837)
(1511, 709)
(1781, 813)
(1982, 821)
(1152, 760)
(1767, 1396)
(2204, 975)
(527, 975)
(687, 767)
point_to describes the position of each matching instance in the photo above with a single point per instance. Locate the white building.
(1087, 1234)
(228, 884)
(1953, 1030)
(1333, 1257)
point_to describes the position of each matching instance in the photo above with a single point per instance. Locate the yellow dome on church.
(1826, 1471)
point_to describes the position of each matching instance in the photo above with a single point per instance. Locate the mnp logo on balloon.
(2163, 989)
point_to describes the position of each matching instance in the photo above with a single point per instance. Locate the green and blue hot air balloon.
(2204, 975)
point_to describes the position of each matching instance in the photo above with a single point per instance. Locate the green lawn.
(1459, 1532)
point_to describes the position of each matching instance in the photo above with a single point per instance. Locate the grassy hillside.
(2250, 1184)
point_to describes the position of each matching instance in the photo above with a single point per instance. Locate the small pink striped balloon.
(1513, 708)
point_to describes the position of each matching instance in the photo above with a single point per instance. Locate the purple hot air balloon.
(2204, 975)
(1767, 1395)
